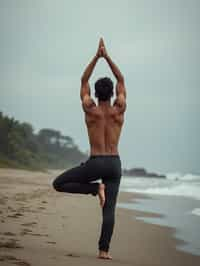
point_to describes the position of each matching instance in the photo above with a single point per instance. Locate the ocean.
(176, 198)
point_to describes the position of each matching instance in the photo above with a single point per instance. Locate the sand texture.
(42, 227)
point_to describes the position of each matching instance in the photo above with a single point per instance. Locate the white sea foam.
(174, 185)
(180, 213)
(179, 190)
(179, 176)
(196, 211)
(173, 176)
(190, 177)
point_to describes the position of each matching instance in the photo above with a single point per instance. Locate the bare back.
(104, 126)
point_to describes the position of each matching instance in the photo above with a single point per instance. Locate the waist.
(104, 156)
(101, 150)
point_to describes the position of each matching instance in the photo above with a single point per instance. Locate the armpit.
(88, 104)
(120, 104)
(88, 101)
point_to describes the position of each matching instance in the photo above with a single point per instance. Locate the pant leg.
(108, 212)
(77, 180)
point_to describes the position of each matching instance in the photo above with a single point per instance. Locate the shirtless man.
(104, 123)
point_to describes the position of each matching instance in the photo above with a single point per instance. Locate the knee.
(56, 186)
(109, 219)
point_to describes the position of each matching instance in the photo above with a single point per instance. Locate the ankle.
(103, 251)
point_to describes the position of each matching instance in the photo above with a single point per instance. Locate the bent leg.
(111, 192)
(76, 180)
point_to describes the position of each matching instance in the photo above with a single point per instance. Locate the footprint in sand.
(72, 255)
(51, 242)
(22, 263)
(29, 224)
(14, 260)
(64, 216)
(42, 208)
(11, 209)
(16, 215)
(38, 234)
(25, 231)
(6, 257)
(11, 243)
(9, 234)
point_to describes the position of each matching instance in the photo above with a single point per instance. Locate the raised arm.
(89, 69)
(120, 101)
(85, 89)
(120, 87)
(114, 69)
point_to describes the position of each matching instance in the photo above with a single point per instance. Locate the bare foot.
(101, 194)
(104, 255)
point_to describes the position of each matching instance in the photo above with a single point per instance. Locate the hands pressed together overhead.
(101, 52)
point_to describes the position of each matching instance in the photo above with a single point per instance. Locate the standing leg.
(77, 180)
(108, 211)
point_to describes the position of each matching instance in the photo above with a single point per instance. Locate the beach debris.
(72, 255)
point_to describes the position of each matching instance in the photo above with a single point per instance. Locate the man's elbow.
(121, 79)
(83, 80)
(81, 95)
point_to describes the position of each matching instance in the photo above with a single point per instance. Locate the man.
(104, 123)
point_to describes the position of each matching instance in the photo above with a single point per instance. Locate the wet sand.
(39, 226)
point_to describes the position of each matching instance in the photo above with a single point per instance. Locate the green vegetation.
(20, 147)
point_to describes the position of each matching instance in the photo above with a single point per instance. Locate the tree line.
(22, 148)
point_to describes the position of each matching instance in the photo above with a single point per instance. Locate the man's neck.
(104, 103)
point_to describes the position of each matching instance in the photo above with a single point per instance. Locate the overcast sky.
(45, 46)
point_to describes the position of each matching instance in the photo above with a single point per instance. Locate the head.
(104, 89)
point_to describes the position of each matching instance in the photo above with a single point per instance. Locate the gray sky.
(45, 46)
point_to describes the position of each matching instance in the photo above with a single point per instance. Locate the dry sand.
(42, 227)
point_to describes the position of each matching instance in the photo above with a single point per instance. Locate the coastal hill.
(140, 172)
(21, 147)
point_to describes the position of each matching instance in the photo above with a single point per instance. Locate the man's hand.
(101, 52)
(103, 49)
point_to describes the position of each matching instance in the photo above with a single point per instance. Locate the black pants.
(80, 180)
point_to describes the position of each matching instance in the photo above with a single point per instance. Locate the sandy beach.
(39, 226)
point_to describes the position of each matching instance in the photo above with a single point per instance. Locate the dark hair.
(103, 89)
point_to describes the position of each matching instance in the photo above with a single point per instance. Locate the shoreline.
(40, 226)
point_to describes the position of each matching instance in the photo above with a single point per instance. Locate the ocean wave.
(179, 176)
(186, 190)
(196, 212)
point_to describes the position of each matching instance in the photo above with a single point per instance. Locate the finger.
(101, 41)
